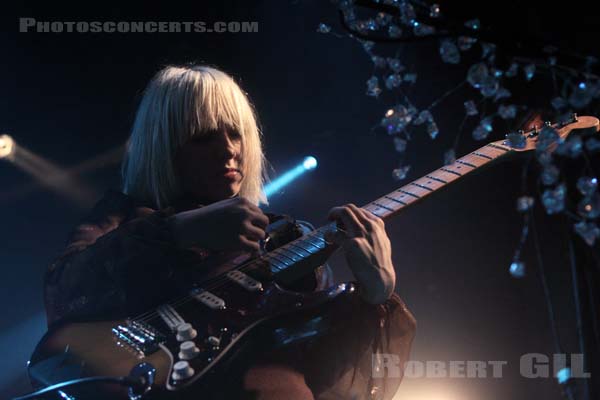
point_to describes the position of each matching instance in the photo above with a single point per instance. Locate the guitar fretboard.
(395, 201)
(285, 258)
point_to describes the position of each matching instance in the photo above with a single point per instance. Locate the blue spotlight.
(274, 186)
(309, 163)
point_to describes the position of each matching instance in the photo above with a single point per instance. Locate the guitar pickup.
(208, 299)
(245, 281)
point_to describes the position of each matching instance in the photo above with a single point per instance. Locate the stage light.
(51, 176)
(309, 163)
(7, 146)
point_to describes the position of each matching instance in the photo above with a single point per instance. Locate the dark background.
(70, 97)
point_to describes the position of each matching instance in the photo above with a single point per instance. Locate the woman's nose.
(229, 147)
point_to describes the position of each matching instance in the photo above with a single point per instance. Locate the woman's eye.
(204, 137)
(199, 139)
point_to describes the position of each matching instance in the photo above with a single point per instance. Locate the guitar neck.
(386, 206)
(295, 259)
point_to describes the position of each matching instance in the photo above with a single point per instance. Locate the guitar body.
(204, 341)
(227, 339)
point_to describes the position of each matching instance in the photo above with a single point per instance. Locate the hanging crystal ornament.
(547, 137)
(480, 133)
(393, 81)
(512, 71)
(323, 28)
(477, 74)
(588, 231)
(529, 71)
(373, 88)
(502, 93)
(516, 140)
(407, 12)
(471, 108)
(489, 86)
(483, 129)
(517, 269)
(488, 51)
(525, 203)
(465, 42)
(554, 199)
(383, 19)
(412, 112)
(581, 96)
(550, 175)
(367, 45)
(420, 29)
(410, 77)
(486, 123)
(378, 61)
(399, 144)
(589, 206)
(587, 185)
(395, 64)
(449, 157)
(372, 25)
(449, 52)
(400, 173)
(572, 147)
(394, 31)
(507, 112)
(424, 116)
(396, 119)
(432, 129)
(434, 11)
(359, 26)
(473, 24)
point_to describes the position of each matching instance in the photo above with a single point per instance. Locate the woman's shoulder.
(106, 215)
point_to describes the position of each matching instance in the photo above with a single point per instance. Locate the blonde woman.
(193, 180)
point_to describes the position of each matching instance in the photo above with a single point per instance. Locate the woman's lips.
(231, 173)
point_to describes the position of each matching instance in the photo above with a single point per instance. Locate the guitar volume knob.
(188, 350)
(186, 332)
(182, 370)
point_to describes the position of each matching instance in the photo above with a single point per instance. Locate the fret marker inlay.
(409, 193)
(450, 171)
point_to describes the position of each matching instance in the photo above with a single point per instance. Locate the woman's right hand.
(232, 224)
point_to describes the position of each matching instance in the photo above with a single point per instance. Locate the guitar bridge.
(139, 336)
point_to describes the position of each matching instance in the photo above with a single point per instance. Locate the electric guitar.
(189, 341)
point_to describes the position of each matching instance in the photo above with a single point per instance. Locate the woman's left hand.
(368, 250)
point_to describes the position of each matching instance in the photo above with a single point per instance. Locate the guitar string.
(216, 283)
(222, 280)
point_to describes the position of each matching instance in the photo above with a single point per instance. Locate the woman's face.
(209, 166)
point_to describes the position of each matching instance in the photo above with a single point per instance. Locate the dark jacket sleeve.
(117, 262)
(365, 359)
(364, 354)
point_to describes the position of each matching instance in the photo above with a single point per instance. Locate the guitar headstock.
(525, 141)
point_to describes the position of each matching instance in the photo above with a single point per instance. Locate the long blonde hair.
(178, 103)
